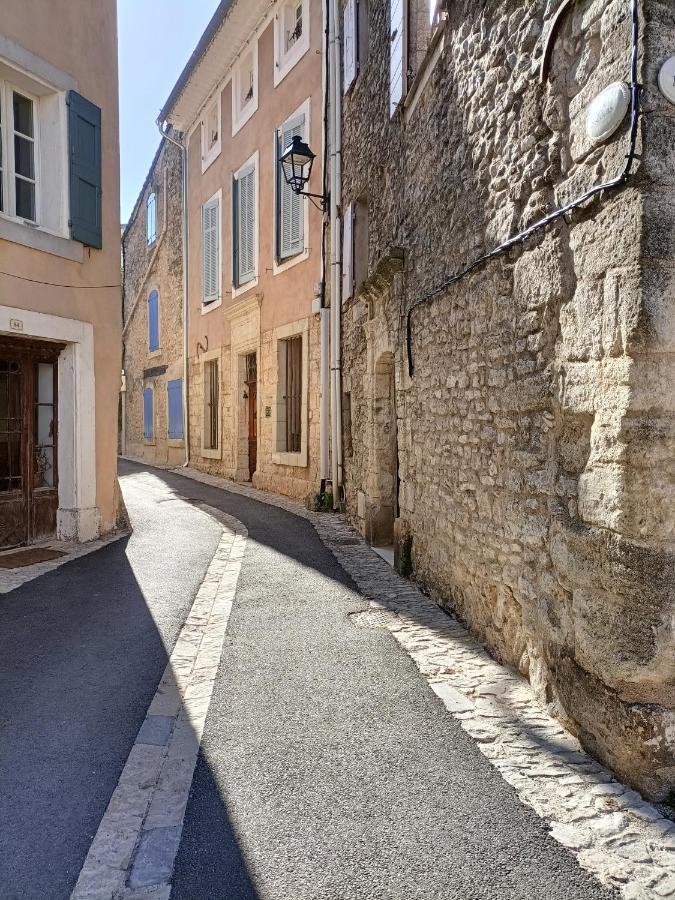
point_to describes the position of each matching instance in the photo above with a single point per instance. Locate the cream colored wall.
(89, 55)
(285, 297)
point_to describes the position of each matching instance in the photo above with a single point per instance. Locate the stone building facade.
(152, 258)
(253, 335)
(525, 469)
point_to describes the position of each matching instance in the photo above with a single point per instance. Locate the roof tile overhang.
(231, 27)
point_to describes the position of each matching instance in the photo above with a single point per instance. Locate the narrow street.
(327, 768)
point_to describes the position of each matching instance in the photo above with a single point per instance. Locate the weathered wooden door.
(28, 442)
(252, 392)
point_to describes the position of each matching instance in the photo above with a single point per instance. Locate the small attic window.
(211, 133)
(245, 88)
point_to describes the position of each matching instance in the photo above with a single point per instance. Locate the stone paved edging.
(134, 850)
(624, 841)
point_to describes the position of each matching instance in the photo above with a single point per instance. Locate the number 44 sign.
(667, 79)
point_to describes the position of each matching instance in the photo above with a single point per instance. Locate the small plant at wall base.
(405, 557)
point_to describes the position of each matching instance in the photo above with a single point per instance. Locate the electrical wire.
(72, 287)
(615, 183)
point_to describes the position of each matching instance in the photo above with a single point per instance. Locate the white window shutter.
(349, 62)
(210, 251)
(396, 47)
(291, 207)
(246, 225)
(348, 253)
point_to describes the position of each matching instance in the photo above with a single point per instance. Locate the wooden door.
(13, 453)
(28, 442)
(252, 392)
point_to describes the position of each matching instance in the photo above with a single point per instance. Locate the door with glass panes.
(28, 442)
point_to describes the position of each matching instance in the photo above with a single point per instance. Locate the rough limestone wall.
(146, 268)
(535, 437)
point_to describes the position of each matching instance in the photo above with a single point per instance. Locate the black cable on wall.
(615, 183)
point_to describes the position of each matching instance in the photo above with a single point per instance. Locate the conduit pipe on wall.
(324, 411)
(336, 246)
(184, 201)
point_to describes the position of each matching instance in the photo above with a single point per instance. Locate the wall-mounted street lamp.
(296, 162)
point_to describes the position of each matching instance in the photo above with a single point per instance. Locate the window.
(211, 133)
(148, 414)
(290, 211)
(44, 426)
(244, 225)
(354, 247)
(363, 32)
(211, 400)
(18, 152)
(211, 256)
(349, 46)
(348, 253)
(175, 404)
(151, 216)
(291, 36)
(245, 88)
(290, 359)
(153, 321)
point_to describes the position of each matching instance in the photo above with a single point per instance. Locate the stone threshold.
(625, 842)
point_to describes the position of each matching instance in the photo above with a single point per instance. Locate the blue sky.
(156, 38)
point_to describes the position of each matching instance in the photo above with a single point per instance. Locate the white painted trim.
(35, 66)
(208, 157)
(241, 116)
(219, 197)
(284, 62)
(78, 517)
(254, 161)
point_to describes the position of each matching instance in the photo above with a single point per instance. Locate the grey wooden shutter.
(396, 49)
(291, 205)
(348, 253)
(84, 148)
(349, 47)
(210, 251)
(246, 225)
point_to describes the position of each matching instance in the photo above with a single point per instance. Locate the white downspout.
(324, 413)
(184, 193)
(336, 247)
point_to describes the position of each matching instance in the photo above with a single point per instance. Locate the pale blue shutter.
(246, 225)
(175, 398)
(291, 205)
(147, 413)
(396, 50)
(211, 251)
(349, 61)
(153, 321)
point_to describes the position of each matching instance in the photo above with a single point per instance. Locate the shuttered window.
(244, 223)
(211, 400)
(349, 47)
(211, 251)
(84, 138)
(151, 218)
(396, 51)
(148, 413)
(153, 321)
(175, 403)
(290, 206)
(348, 253)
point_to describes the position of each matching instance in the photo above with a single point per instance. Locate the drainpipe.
(184, 199)
(324, 313)
(336, 246)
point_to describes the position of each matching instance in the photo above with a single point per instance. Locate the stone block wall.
(158, 266)
(533, 475)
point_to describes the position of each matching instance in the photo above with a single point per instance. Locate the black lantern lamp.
(296, 162)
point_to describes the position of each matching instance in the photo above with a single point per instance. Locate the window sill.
(288, 62)
(211, 305)
(247, 286)
(153, 354)
(290, 459)
(279, 267)
(176, 442)
(243, 116)
(40, 239)
(149, 442)
(210, 454)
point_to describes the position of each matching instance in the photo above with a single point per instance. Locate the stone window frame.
(282, 266)
(212, 452)
(280, 457)
(239, 289)
(241, 113)
(286, 60)
(209, 155)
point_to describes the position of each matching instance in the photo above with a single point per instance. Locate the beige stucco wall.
(254, 316)
(89, 56)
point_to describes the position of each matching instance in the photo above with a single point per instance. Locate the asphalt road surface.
(328, 768)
